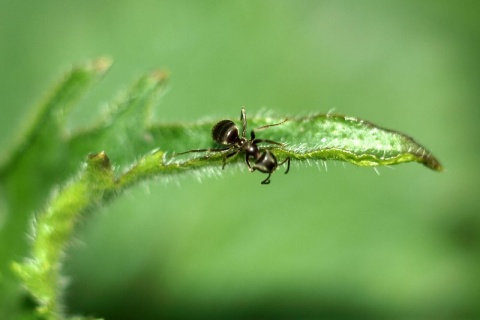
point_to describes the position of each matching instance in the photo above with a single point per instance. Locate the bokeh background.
(337, 243)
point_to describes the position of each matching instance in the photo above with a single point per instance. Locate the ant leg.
(204, 150)
(271, 125)
(252, 134)
(247, 161)
(287, 160)
(267, 181)
(243, 118)
(268, 141)
(228, 156)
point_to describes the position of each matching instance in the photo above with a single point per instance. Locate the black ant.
(226, 133)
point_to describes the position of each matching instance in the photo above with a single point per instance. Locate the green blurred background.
(337, 243)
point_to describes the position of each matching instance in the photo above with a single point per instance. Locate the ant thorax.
(251, 148)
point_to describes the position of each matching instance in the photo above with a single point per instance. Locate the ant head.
(266, 162)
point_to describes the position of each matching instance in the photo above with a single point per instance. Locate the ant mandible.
(225, 132)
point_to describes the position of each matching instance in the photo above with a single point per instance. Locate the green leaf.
(336, 137)
(141, 150)
(53, 228)
(38, 162)
(47, 125)
(319, 137)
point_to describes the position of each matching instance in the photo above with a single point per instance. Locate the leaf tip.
(431, 162)
(160, 75)
(100, 160)
(101, 64)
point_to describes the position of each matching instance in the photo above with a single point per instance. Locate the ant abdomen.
(225, 132)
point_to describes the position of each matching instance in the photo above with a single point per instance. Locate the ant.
(226, 133)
